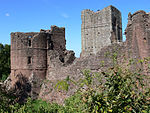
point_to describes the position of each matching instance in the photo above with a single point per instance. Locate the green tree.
(4, 61)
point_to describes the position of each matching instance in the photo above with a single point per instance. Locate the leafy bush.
(115, 90)
(5, 100)
(123, 91)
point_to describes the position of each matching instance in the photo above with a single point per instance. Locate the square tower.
(100, 29)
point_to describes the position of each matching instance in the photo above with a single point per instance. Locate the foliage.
(75, 104)
(123, 91)
(5, 100)
(4, 61)
(62, 85)
(115, 90)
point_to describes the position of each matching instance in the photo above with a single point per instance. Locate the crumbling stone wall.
(100, 29)
(28, 57)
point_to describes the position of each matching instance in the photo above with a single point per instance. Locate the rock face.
(42, 59)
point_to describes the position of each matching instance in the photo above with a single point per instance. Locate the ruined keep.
(100, 29)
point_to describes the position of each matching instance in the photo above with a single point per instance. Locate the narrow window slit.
(29, 60)
(29, 41)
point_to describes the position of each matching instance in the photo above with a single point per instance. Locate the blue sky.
(33, 15)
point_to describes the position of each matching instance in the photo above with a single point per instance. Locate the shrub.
(115, 90)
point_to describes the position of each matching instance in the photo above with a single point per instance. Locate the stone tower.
(138, 35)
(100, 29)
(34, 55)
(28, 54)
(29, 51)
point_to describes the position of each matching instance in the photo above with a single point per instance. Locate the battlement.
(54, 30)
(17, 33)
(138, 17)
(54, 27)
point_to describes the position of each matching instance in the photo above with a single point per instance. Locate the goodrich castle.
(29, 51)
(43, 55)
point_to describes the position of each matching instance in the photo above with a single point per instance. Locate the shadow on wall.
(22, 88)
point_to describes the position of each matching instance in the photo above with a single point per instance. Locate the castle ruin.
(43, 55)
(100, 29)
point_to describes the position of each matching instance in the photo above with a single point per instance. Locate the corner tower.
(29, 51)
(29, 54)
(100, 29)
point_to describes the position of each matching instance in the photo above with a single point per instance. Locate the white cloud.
(64, 15)
(7, 14)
